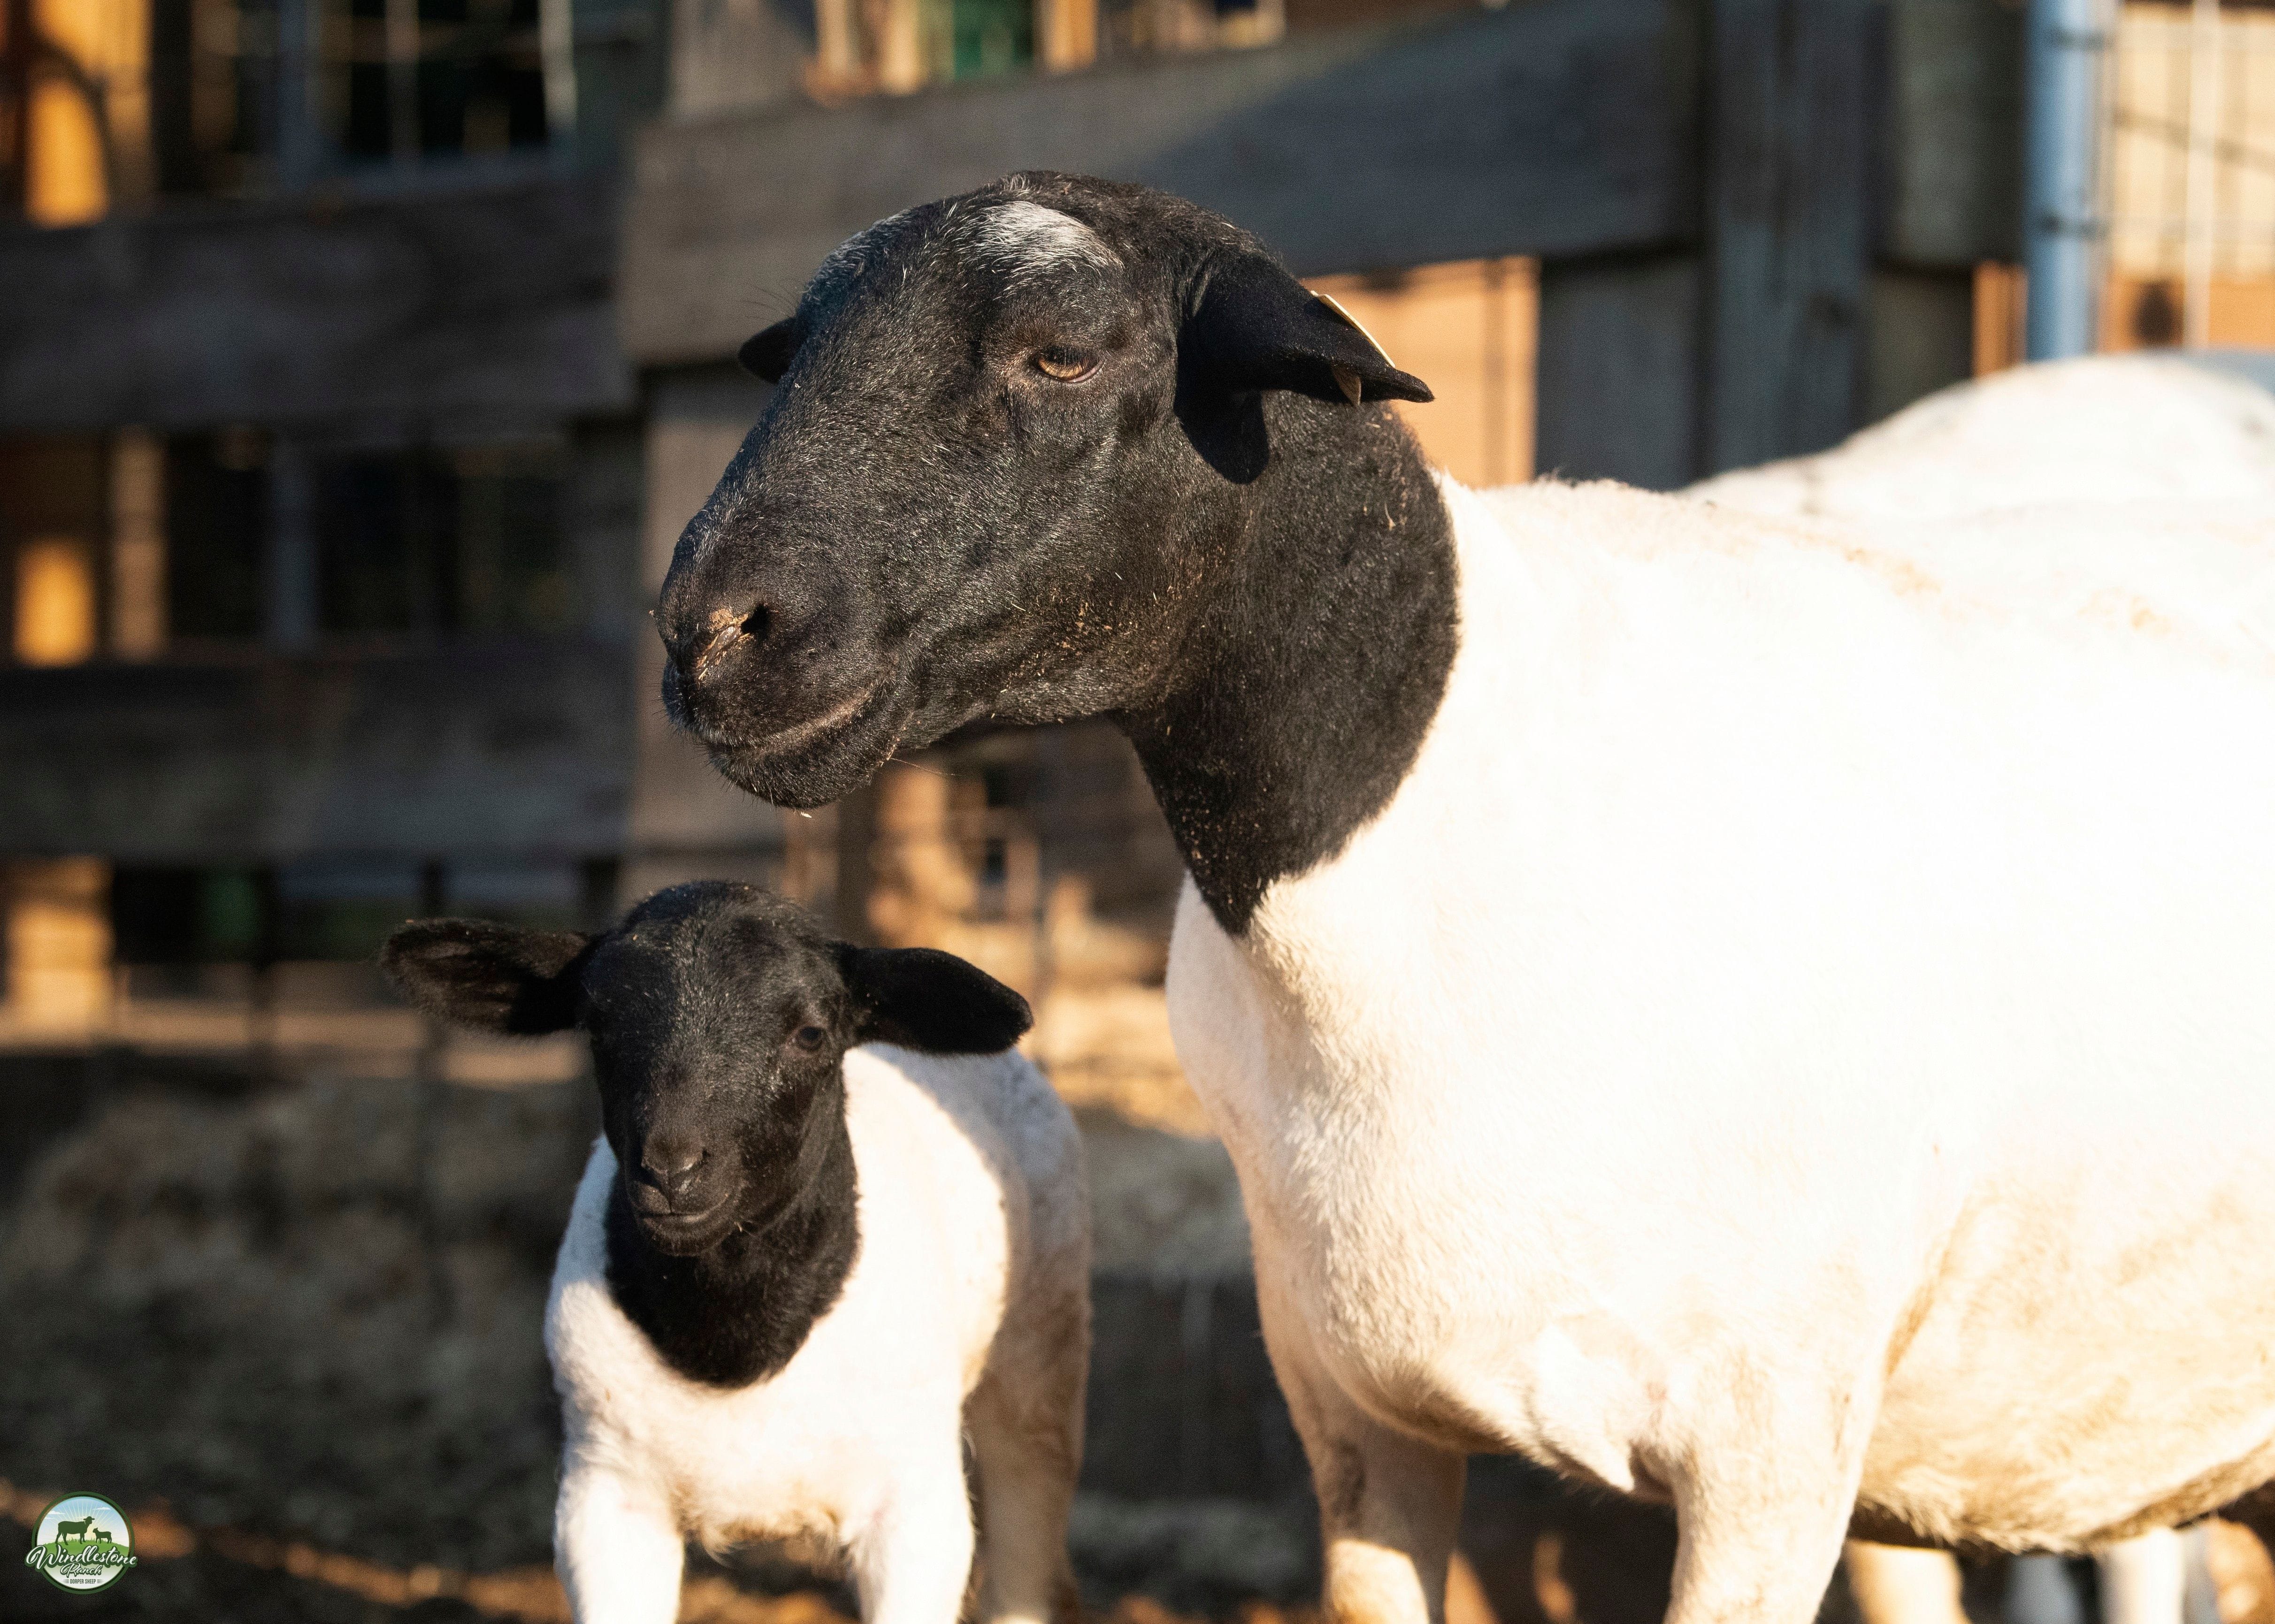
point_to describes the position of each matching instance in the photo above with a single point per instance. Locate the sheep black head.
(1011, 450)
(718, 1017)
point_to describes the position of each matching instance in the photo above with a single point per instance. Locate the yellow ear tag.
(1347, 379)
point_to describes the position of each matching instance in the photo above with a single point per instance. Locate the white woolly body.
(2135, 429)
(1804, 1030)
(2101, 428)
(973, 1267)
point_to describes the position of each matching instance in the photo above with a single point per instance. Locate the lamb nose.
(670, 1164)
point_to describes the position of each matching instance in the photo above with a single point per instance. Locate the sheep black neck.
(1301, 696)
(737, 1314)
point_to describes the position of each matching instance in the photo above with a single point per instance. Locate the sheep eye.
(809, 1038)
(1067, 365)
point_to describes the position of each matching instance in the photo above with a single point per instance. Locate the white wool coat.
(1802, 1031)
(973, 1265)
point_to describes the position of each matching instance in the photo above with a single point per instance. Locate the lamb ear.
(493, 977)
(1256, 327)
(766, 355)
(923, 999)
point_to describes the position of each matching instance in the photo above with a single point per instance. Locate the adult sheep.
(1633, 951)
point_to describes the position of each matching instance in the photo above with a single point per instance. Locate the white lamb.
(797, 1272)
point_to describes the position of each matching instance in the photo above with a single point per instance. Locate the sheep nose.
(669, 1164)
(697, 645)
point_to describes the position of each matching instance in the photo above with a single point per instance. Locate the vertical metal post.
(2040, 1592)
(2061, 203)
(2200, 1591)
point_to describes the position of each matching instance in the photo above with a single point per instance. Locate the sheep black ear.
(766, 355)
(923, 999)
(495, 977)
(1257, 328)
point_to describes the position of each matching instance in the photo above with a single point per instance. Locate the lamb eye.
(1067, 365)
(809, 1038)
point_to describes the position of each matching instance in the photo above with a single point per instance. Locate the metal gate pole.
(2061, 224)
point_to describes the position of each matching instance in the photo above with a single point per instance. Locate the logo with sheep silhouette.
(82, 1543)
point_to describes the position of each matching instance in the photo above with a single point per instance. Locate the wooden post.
(900, 49)
(837, 42)
(1066, 33)
(138, 545)
(1788, 150)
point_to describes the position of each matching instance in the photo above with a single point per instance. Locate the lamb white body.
(1802, 1035)
(966, 1307)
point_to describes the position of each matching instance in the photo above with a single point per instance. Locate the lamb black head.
(719, 1016)
(1013, 442)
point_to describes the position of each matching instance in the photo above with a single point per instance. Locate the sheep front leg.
(1389, 1510)
(1390, 1506)
(617, 1550)
(1762, 1505)
(913, 1564)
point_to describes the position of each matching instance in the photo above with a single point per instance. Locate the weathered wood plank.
(1619, 369)
(1787, 226)
(465, 303)
(1555, 126)
(1953, 141)
(523, 747)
